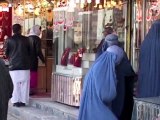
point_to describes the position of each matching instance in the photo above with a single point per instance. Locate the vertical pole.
(64, 32)
(129, 28)
(34, 18)
(143, 27)
(88, 32)
(23, 16)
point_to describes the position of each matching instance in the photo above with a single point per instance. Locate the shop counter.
(66, 88)
(146, 109)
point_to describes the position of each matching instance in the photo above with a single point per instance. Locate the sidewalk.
(10, 117)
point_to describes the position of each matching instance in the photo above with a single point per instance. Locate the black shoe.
(32, 93)
(22, 104)
(16, 104)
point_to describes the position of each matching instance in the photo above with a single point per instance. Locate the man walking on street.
(18, 53)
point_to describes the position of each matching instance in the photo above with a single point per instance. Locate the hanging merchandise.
(61, 18)
(97, 1)
(62, 3)
(69, 18)
(148, 15)
(49, 15)
(113, 4)
(139, 12)
(65, 55)
(6, 15)
(89, 1)
(153, 11)
(78, 33)
(65, 28)
(4, 6)
(78, 57)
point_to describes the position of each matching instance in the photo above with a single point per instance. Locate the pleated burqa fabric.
(123, 103)
(99, 90)
(149, 69)
(6, 89)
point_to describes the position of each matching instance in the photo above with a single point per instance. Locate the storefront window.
(83, 27)
(152, 12)
(137, 32)
(144, 14)
(78, 31)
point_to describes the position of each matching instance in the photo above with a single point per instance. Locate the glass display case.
(146, 109)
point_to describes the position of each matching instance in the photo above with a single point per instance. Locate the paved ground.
(10, 117)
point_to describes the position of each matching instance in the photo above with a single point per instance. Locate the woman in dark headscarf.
(36, 52)
(149, 69)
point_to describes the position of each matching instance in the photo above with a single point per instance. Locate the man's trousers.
(21, 82)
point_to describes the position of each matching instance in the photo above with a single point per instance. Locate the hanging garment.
(123, 103)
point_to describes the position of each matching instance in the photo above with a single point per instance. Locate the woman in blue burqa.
(122, 105)
(149, 69)
(104, 87)
(99, 89)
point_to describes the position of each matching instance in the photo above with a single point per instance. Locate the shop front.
(78, 27)
(145, 12)
(38, 12)
(71, 30)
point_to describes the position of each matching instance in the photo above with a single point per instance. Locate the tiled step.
(63, 112)
(31, 113)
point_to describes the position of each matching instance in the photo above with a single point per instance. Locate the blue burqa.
(149, 69)
(99, 89)
(124, 86)
(124, 97)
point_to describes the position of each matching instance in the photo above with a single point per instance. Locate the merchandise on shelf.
(65, 55)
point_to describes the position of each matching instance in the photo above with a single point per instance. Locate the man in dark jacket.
(18, 53)
(6, 89)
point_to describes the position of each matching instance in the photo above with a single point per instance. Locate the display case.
(67, 89)
(146, 109)
(67, 81)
